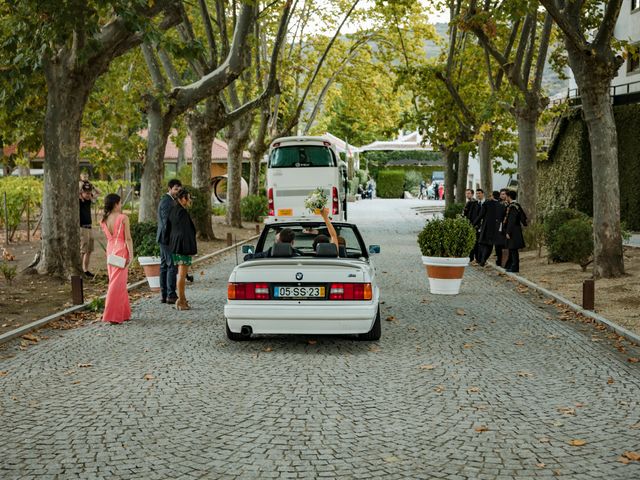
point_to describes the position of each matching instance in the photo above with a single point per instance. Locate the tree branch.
(531, 49)
(542, 51)
(208, 28)
(171, 71)
(153, 67)
(605, 32)
(563, 21)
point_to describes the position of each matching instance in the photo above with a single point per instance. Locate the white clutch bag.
(116, 261)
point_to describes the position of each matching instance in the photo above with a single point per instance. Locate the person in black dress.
(182, 243)
(514, 220)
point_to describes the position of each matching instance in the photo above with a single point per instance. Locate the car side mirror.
(374, 249)
(248, 249)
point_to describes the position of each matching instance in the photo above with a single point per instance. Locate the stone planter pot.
(151, 266)
(445, 274)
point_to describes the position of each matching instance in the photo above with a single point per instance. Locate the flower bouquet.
(316, 201)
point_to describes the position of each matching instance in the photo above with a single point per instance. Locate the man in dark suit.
(168, 271)
(514, 220)
(489, 221)
(471, 212)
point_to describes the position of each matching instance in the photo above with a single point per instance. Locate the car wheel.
(375, 332)
(236, 337)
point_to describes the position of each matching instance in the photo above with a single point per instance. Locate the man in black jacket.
(514, 220)
(489, 220)
(471, 212)
(168, 271)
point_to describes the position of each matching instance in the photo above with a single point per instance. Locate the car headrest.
(342, 251)
(281, 250)
(326, 250)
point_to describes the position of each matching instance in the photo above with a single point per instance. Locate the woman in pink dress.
(115, 226)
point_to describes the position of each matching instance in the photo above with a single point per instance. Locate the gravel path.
(489, 384)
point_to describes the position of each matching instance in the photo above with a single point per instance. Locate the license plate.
(285, 212)
(298, 292)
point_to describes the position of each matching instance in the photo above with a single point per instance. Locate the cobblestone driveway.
(480, 386)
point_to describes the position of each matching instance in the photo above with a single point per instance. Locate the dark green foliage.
(390, 184)
(412, 180)
(381, 158)
(8, 271)
(573, 242)
(144, 239)
(447, 237)
(425, 172)
(96, 305)
(253, 208)
(453, 210)
(552, 223)
(199, 202)
(565, 177)
(219, 209)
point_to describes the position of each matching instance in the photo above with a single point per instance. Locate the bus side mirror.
(374, 249)
(248, 249)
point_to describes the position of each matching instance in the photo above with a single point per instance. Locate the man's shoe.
(88, 274)
(172, 300)
(190, 278)
(163, 300)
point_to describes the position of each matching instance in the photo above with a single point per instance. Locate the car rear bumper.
(333, 319)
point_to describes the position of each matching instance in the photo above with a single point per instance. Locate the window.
(633, 61)
(635, 5)
(307, 156)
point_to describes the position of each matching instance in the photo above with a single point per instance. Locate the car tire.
(374, 334)
(233, 336)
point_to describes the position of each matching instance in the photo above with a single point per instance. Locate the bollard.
(257, 228)
(229, 239)
(588, 295)
(77, 295)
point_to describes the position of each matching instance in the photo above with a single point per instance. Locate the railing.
(614, 90)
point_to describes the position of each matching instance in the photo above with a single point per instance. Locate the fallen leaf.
(467, 345)
(610, 380)
(552, 337)
(75, 382)
(5, 325)
(525, 374)
(624, 460)
(567, 410)
(85, 365)
(471, 328)
(374, 348)
(31, 338)
(460, 311)
(69, 372)
(540, 465)
(551, 301)
(635, 426)
(580, 405)
(148, 376)
(427, 367)
(519, 343)
(544, 440)
(473, 390)
(267, 349)
(557, 473)
(390, 319)
(201, 272)
(439, 389)
(481, 428)
(633, 359)
(4, 373)
(635, 456)
(391, 459)
(577, 443)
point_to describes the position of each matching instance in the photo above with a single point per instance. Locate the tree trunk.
(258, 148)
(238, 137)
(486, 166)
(449, 177)
(603, 138)
(151, 187)
(202, 136)
(66, 98)
(462, 176)
(527, 162)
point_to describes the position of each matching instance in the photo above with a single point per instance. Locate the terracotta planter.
(151, 266)
(445, 274)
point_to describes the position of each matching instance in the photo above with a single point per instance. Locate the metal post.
(77, 294)
(28, 222)
(6, 220)
(257, 228)
(588, 295)
(229, 239)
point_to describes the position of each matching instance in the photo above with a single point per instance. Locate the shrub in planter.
(144, 239)
(552, 224)
(254, 207)
(453, 210)
(574, 242)
(448, 237)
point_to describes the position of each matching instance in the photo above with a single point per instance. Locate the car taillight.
(334, 195)
(350, 291)
(272, 211)
(248, 291)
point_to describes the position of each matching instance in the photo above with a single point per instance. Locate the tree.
(587, 27)
(71, 44)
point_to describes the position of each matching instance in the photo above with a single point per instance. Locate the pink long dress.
(117, 308)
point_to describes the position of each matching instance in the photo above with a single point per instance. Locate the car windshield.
(301, 156)
(304, 236)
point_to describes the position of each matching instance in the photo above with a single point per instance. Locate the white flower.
(317, 200)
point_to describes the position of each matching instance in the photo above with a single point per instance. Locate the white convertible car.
(283, 290)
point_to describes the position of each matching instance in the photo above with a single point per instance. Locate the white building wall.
(500, 180)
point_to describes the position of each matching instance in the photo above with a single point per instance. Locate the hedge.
(390, 184)
(564, 178)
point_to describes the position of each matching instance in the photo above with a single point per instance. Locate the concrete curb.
(5, 337)
(587, 313)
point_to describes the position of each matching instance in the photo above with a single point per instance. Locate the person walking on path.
(491, 217)
(86, 233)
(423, 189)
(115, 226)
(471, 212)
(514, 220)
(182, 243)
(168, 271)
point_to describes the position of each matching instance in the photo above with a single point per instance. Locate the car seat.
(281, 250)
(326, 250)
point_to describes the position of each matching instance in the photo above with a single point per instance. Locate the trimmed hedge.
(564, 178)
(390, 184)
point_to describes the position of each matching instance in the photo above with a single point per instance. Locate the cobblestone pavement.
(489, 384)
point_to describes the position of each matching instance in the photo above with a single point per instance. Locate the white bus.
(296, 167)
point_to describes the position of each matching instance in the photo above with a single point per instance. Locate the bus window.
(301, 156)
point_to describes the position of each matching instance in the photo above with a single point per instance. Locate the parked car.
(314, 292)
(298, 165)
